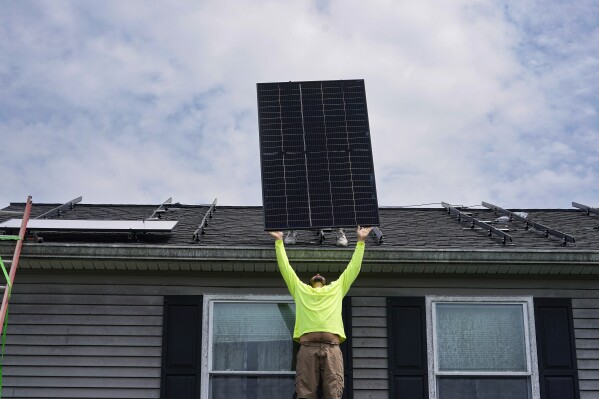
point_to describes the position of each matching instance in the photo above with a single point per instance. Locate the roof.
(417, 241)
(403, 228)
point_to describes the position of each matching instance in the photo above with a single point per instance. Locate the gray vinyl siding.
(83, 344)
(369, 341)
(586, 330)
(98, 335)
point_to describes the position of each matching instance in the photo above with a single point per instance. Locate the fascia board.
(510, 262)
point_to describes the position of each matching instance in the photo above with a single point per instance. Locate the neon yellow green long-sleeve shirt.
(318, 309)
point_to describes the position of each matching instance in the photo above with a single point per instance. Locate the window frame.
(529, 335)
(207, 341)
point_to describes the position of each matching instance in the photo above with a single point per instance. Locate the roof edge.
(305, 255)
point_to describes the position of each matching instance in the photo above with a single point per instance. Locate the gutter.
(256, 259)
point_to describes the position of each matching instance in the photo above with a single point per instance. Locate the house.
(440, 310)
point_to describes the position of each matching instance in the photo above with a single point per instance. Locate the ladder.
(10, 276)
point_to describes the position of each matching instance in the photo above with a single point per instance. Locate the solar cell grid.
(316, 155)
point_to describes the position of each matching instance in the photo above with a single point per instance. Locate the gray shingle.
(430, 228)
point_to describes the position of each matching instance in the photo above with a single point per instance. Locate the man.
(318, 322)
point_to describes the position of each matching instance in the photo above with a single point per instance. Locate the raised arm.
(291, 279)
(352, 270)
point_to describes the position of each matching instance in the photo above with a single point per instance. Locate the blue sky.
(137, 101)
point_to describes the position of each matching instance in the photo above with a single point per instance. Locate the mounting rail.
(204, 222)
(475, 222)
(530, 224)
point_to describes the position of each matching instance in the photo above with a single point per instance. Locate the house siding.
(82, 341)
(369, 318)
(586, 332)
(99, 335)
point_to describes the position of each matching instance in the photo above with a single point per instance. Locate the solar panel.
(163, 226)
(316, 155)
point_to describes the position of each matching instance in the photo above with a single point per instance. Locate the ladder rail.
(15, 261)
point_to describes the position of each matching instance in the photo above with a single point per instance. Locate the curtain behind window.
(480, 337)
(253, 336)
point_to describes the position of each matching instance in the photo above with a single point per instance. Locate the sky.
(134, 102)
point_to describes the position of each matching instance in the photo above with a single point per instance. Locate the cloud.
(468, 100)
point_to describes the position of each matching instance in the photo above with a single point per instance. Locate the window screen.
(252, 350)
(480, 337)
(480, 348)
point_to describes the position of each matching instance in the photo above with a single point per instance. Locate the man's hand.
(362, 233)
(278, 235)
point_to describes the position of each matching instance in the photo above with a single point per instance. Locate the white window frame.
(529, 336)
(207, 324)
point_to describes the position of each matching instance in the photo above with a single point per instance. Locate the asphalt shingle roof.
(423, 228)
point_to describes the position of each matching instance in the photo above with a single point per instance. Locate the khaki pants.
(316, 360)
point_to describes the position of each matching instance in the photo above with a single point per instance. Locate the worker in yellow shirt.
(318, 322)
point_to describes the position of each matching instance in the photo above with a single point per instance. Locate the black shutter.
(406, 335)
(346, 348)
(181, 348)
(556, 350)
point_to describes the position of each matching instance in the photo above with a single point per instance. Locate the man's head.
(317, 281)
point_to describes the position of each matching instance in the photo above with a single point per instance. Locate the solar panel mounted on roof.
(316, 155)
(160, 226)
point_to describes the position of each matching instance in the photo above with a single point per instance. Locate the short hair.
(316, 278)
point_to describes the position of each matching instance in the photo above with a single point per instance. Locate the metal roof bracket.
(157, 214)
(378, 234)
(547, 231)
(475, 222)
(586, 208)
(204, 223)
(59, 209)
(321, 236)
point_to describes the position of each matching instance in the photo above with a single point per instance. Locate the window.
(481, 348)
(249, 352)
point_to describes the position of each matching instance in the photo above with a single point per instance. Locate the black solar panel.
(316, 155)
